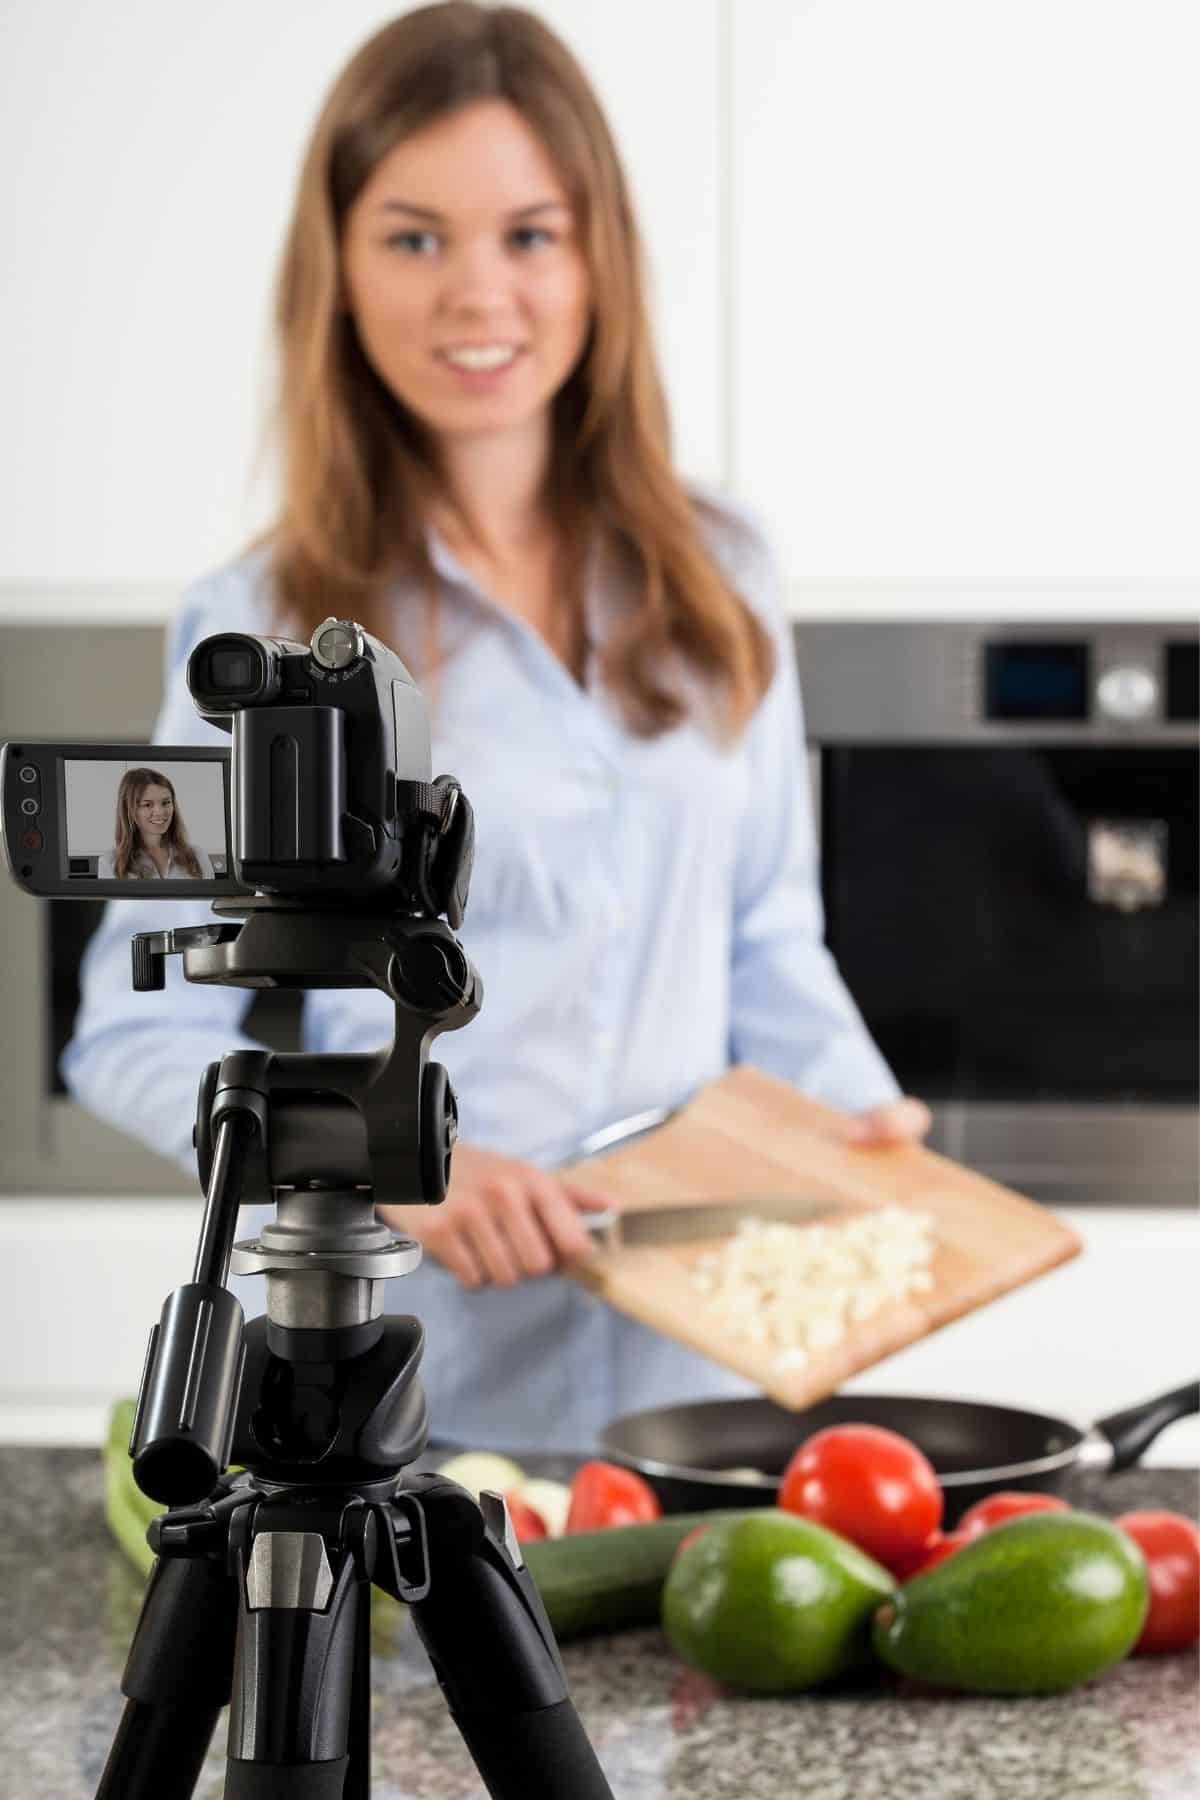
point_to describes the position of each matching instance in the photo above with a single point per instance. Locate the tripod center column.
(325, 1256)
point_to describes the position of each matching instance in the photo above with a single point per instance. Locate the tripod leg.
(493, 1652)
(177, 1679)
(296, 1673)
(358, 1775)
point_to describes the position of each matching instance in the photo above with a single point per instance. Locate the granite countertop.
(70, 1601)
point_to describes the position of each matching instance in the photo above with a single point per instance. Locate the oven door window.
(1019, 923)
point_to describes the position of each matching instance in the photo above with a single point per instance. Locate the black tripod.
(260, 1597)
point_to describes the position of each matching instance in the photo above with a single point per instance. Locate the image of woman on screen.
(150, 841)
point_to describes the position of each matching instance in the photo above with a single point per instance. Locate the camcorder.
(323, 795)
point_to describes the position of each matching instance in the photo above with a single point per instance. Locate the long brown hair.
(127, 840)
(356, 473)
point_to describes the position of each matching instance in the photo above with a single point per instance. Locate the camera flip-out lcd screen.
(144, 821)
(99, 820)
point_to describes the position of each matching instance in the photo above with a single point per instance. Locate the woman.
(476, 467)
(150, 842)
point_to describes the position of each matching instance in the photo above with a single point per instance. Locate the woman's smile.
(480, 367)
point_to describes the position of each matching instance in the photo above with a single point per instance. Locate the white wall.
(151, 152)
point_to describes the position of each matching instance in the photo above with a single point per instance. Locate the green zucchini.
(120, 1426)
(608, 1580)
(590, 1581)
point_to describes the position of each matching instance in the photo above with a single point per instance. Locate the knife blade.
(699, 1220)
(620, 1135)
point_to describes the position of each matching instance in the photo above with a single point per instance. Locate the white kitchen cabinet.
(152, 152)
(965, 289)
(1111, 1328)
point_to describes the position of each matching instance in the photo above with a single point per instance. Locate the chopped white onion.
(796, 1289)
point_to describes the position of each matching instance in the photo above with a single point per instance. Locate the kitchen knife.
(624, 1131)
(685, 1224)
(627, 1230)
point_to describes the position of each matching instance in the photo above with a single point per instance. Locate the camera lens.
(28, 773)
(29, 806)
(231, 671)
(234, 670)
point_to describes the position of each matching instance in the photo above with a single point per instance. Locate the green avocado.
(772, 1602)
(1034, 1606)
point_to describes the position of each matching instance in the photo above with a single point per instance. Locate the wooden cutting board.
(749, 1134)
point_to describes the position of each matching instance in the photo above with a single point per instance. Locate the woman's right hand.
(502, 1220)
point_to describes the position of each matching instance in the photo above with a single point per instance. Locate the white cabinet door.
(151, 152)
(967, 284)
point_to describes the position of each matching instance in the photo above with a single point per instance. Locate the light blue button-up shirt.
(644, 914)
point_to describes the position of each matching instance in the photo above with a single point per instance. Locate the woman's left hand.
(903, 1121)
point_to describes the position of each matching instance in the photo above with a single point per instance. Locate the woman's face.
(153, 810)
(464, 274)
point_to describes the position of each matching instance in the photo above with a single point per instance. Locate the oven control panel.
(965, 681)
(1063, 680)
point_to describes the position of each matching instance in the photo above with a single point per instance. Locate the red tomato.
(868, 1484)
(603, 1494)
(525, 1521)
(1171, 1545)
(998, 1508)
(936, 1550)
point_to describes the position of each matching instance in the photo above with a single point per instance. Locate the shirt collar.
(144, 860)
(600, 596)
(448, 566)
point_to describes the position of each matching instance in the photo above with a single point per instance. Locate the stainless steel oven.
(1009, 828)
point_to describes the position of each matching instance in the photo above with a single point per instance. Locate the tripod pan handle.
(184, 1425)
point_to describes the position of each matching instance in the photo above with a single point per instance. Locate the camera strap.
(439, 844)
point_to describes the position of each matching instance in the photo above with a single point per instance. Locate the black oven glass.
(1183, 681)
(1019, 923)
(1036, 681)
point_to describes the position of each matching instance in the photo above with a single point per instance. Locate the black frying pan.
(976, 1449)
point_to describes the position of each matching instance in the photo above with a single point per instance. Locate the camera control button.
(336, 643)
(30, 806)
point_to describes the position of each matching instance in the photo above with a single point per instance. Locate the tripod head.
(322, 1137)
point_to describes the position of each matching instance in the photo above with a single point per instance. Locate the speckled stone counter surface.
(70, 1600)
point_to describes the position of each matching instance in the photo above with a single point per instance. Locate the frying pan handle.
(1134, 1430)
